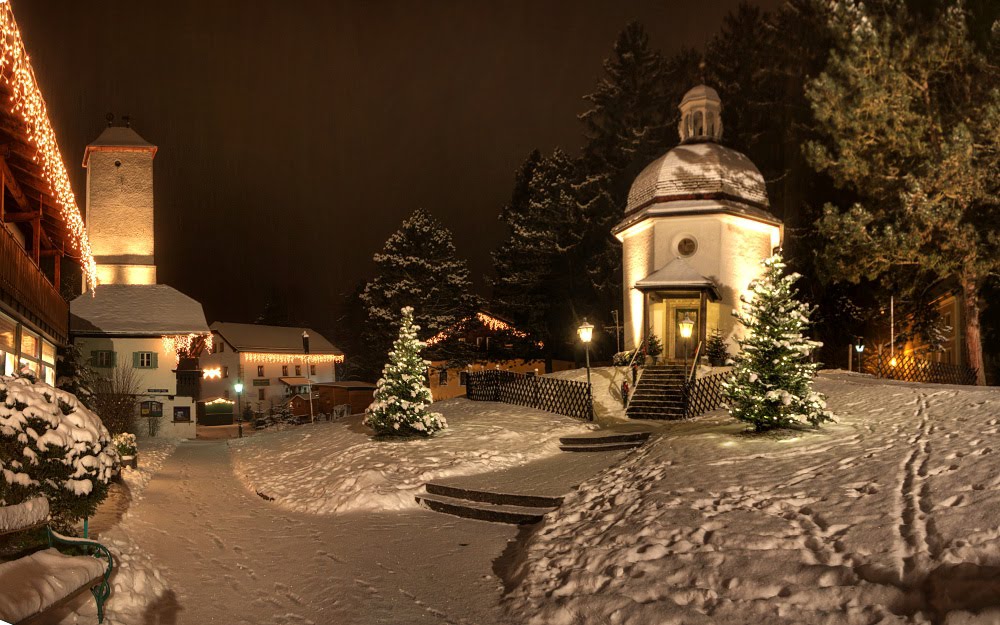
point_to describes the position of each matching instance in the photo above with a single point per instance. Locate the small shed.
(358, 395)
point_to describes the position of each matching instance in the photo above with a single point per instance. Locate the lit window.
(260, 371)
(29, 344)
(443, 377)
(225, 372)
(48, 352)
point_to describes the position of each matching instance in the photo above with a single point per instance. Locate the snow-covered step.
(601, 437)
(603, 446)
(515, 515)
(493, 497)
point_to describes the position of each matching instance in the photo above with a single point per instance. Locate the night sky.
(294, 136)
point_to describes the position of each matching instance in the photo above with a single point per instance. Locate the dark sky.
(295, 135)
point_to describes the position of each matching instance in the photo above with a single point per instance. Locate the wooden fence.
(704, 394)
(565, 397)
(912, 369)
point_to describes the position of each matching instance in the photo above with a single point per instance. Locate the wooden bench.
(36, 584)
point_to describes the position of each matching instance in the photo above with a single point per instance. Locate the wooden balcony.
(24, 287)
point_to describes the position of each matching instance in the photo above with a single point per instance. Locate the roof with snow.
(698, 170)
(677, 274)
(118, 138)
(136, 309)
(252, 337)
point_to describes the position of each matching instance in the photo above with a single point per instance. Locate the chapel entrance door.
(682, 345)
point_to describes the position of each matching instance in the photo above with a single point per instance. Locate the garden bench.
(34, 585)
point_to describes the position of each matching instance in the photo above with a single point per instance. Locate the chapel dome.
(699, 168)
(698, 171)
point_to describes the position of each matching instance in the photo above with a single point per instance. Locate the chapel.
(697, 226)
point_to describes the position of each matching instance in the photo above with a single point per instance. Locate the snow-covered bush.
(623, 359)
(51, 444)
(771, 381)
(402, 400)
(126, 444)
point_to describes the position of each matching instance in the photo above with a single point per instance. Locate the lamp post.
(860, 348)
(586, 332)
(686, 326)
(239, 406)
(309, 388)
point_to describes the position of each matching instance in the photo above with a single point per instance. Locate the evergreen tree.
(771, 381)
(402, 400)
(74, 375)
(418, 267)
(535, 279)
(910, 110)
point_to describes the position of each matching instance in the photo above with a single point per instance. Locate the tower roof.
(118, 139)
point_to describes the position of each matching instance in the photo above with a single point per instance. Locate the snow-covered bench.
(32, 586)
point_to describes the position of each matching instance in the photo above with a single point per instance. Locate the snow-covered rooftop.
(136, 309)
(252, 337)
(696, 170)
(678, 273)
(117, 137)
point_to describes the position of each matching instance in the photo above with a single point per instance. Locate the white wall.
(156, 384)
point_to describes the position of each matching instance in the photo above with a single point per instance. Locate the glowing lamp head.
(686, 326)
(893, 362)
(859, 346)
(239, 387)
(586, 331)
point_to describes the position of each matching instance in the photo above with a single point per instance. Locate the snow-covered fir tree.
(771, 381)
(402, 401)
(419, 268)
(74, 375)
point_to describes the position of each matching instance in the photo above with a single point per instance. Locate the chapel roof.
(120, 139)
(677, 274)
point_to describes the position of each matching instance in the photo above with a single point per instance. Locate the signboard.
(182, 413)
(263, 382)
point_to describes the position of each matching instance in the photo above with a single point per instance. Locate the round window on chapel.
(687, 247)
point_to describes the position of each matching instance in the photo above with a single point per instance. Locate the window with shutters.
(144, 360)
(103, 358)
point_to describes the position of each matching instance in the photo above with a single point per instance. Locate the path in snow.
(230, 557)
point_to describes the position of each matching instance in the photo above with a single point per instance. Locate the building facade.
(696, 229)
(270, 362)
(130, 322)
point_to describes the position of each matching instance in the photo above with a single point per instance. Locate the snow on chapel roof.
(677, 274)
(118, 139)
(260, 338)
(136, 309)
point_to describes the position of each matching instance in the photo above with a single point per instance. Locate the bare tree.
(115, 398)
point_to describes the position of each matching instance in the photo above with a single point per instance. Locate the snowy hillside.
(888, 516)
(338, 467)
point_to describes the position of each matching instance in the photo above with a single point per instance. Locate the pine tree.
(74, 375)
(534, 275)
(402, 400)
(910, 112)
(771, 382)
(419, 268)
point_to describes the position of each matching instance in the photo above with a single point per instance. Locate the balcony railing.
(25, 288)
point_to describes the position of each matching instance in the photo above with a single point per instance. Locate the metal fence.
(912, 369)
(566, 397)
(704, 394)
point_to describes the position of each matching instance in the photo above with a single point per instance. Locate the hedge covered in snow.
(52, 445)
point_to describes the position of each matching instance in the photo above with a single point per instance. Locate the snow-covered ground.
(888, 516)
(137, 581)
(338, 467)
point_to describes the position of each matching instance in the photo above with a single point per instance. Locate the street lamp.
(309, 388)
(586, 332)
(860, 348)
(686, 327)
(239, 406)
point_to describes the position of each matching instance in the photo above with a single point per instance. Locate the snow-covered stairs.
(602, 440)
(659, 394)
(487, 505)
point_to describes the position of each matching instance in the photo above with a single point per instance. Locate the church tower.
(120, 205)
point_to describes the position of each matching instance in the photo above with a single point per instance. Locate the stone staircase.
(603, 441)
(486, 505)
(659, 393)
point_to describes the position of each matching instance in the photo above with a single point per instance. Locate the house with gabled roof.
(273, 363)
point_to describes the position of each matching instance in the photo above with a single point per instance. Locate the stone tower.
(120, 206)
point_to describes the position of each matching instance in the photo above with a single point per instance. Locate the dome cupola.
(701, 115)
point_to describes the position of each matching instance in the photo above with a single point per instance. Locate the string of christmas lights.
(488, 321)
(277, 357)
(26, 100)
(182, 343)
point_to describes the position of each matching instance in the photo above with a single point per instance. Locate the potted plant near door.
(654, 347)
(716, 349)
